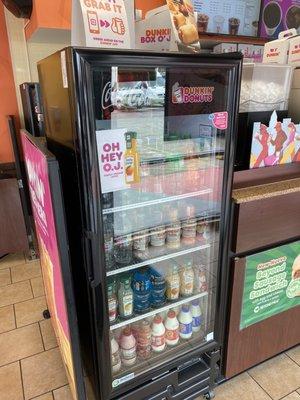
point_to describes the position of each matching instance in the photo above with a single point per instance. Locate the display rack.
(158, 310)
(158, 259)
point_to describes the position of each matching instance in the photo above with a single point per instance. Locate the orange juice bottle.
(132, 159)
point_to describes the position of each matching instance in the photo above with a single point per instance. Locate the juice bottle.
(125, 297)
(173, 231)
(189, 226)
(112, 300)
(197, 315)
(200, 279)
(158, 289)
(187, 277)
(108, 241)
(141, 285)
(173, 283)
(128, 347)
(158, 342)
(115, 355)
(123, 240)
(131, 159)
(185, 323)
(144, 340)
(172, 329)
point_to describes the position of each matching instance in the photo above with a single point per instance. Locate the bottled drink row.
(120, 249)
(138, 341)
(152, 287)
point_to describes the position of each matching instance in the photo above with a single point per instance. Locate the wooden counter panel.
(265, 222)
(260, 341)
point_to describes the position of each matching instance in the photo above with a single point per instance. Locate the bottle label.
(128, 354)
(186, 328)
(129, 168)
(158, 236)
(197, 321)
(127, 305)
(172, 334)
(112, 309)
(115, 358)
(158, 341)
(173, 289)
(173, 233)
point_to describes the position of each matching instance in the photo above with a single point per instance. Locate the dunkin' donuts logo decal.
(193, 94)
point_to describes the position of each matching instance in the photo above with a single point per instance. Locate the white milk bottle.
(115, 355)
(185, 322)
(172, 329)
(197, 315)
(158, 341)
(128, 347)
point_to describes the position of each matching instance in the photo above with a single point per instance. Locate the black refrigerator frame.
(77, 157)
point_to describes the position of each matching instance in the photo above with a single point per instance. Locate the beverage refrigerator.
(145, 146)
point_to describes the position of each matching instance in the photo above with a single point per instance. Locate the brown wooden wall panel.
(260, 341)
(12, 227)
(262, 176)
(266, 221)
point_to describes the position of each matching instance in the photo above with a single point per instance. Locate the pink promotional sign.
(40, 194)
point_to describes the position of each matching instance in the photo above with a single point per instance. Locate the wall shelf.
(208, 41)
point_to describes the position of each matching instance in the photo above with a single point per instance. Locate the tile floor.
(30, 363)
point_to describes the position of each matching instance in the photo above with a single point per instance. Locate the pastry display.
(179, 20)
(188, 34)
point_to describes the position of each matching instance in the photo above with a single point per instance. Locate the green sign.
(272, 283)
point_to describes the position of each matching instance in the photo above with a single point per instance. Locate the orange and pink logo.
(193, 94)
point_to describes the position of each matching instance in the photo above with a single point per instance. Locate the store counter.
(265, 291)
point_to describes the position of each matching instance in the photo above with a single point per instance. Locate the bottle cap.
(127, 331)
(195, 302)
(185, 308)
(171, 314)
(157, 319)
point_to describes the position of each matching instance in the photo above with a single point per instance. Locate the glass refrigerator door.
(160, 141)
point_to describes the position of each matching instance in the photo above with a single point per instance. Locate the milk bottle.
(197, 315)
(172, 329)
(185, 323)
(158, 342)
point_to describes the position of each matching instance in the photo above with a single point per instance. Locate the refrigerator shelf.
(158, 259)
(158, 310)
(157, 201)
(199, 339)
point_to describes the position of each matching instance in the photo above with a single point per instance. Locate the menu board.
(236, 17)
(279, 15)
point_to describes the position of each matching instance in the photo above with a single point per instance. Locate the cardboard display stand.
(103, 24)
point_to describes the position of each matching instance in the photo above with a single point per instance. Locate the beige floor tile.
(10, 382)
(294, 354)
(43, 373)
(278, 376)
(7, 319)
(11, 260)
(15, 293)
(30, 311)
(5, 277)
(20, 343)
(26, 271)
(47, 396)
(37, 286)
(242, 387)
(63, 393)
(48, 334)
(292, 396)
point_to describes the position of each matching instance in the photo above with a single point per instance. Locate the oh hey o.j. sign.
(111, 146)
